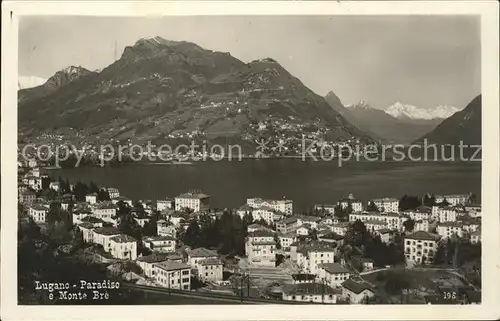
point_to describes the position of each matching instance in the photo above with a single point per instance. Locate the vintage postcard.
(250, 160)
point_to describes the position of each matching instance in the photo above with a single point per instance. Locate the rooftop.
(171, 265)
(422, 235)
(210, 261)
(308, 288)
(333, 268)
(261, 233)
(356, 287)
(107, 231)
(153, 258)
(202, 252)
(123, 238)
(303, 277)
(158, 238)
(332, 236)
(193, 195)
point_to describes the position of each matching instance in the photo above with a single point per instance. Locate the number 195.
(450, 295)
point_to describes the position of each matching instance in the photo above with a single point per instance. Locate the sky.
(425, 61)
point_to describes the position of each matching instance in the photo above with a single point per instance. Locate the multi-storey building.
(328, 208)
(38, 213)
(162, 244)
(420, 247)
(279, 205)
(448, 229)
(309, 256)
(333, 274)
(173, 275)
(260, 248)
(265, 213)
(104, 210)
(91, 198)
(387, 204)
(356, 205)
(287, 225)
(123, 247)
(454, 199)
(196, 201)
(392, 219)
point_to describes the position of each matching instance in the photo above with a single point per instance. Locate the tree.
(277, 240)
(372, 207)
(192, 236)
(356, 234)
(103, 195)
(396, 282)
(409, 203)
(248, 218)
(409, 225)
(313, 234)
(80, 191)
(93, 188)
(429, 200)
(340, 213)
(179, 234)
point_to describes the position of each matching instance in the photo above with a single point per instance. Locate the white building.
(91, 198)
(162, 244)
(197, 255)
(444, 214)
(312, 221)
(474, 210)
(421, 225)
(310, 256)
(286, 240)
(210, 270)
(340, 228)
(357, 205)
(304, 230)
(173, 275)
(265, 213)
(333, 274)
(104, 210)
(166, 204)
(113, 192)
(387, 204)
(260, 248)
(392, 219)
(287, 225)
(196, 201)
(103, 235)
(329, 208)
(123, 247)
(38, 213)
(244, 210)
(453, 199)
(420, 247)
(147, 263)
(54, 186)
(164, 228)
(356, 292)
(475, 237)
(449, 229)
(309, 292)
(417, 215)
(374, 225)
(280, 205)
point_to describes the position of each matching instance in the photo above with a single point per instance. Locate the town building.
(287, 225)
(310, 255)
(445, 213)
(340, 228)
(194, 200)
(448, 229)
(286, 240)
(356, 205)
(113, 192)
(164, 228)
(375, 224)
(333, 274)
(91, 198)
(163, 244)
(27, 197)
(38, 213)
(147, 263)
(310, 292)
(243, 210)
(173, 275)
(265, 213)
(420, 247)
(328, 208)
(197, 255)
(122, 199)
(421, 225)
(332, 237)
(123, 247)
(454, 199)
(280, 205)
(54, 186)
(385, 235)
(104, 210)
(392, 219)
(356, 292)
(475, 237)
(423, 213)
(387, 204)
(103, 235)
(312, 221)
(210, 270)
(304, 230)
(260, 248)
(165, 204)
(474, 210)
(303, 278)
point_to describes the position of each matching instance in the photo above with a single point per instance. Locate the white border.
(488, 10)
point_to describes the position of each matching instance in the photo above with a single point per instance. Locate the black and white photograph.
(252, 159)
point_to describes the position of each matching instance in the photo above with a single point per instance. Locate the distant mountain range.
(464, 125)
(381, 125)
(159, 88)
(405, 111)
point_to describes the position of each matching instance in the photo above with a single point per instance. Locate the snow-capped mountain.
(405, 111)
(29, 81)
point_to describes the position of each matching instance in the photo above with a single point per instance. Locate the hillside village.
(385, 250)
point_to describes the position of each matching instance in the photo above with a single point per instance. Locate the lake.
(230, 183)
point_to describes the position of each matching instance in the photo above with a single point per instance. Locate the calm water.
(306, 183)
